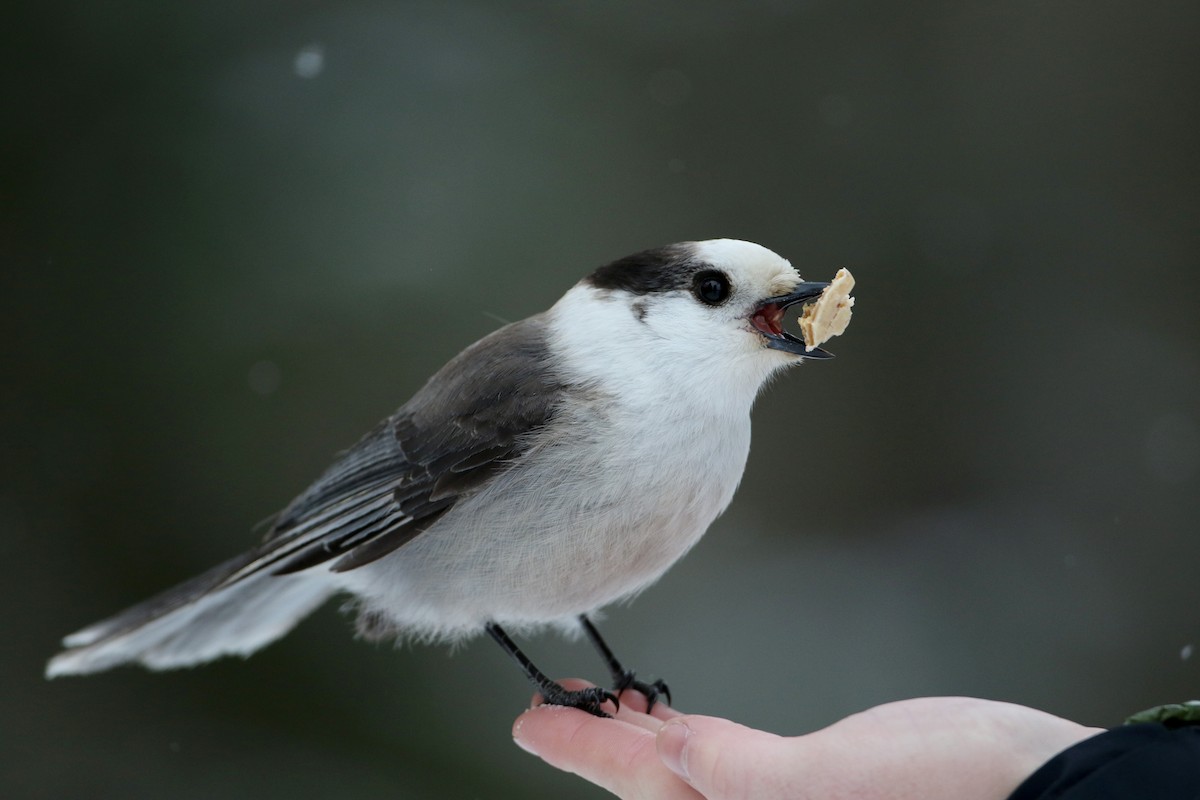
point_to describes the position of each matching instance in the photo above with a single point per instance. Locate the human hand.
(927, 748)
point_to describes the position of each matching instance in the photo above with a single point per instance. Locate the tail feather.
(197, 621)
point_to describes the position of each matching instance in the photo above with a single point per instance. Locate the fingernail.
(672, 747)
(521, 743)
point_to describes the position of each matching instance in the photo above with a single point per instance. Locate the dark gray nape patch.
(662, 269)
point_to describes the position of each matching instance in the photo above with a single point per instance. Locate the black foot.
(588, 700)
(652, 691)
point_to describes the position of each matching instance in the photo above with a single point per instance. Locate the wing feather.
(470, 421)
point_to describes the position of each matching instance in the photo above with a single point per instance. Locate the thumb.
(721, 759)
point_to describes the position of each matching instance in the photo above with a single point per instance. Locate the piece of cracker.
(830, 314)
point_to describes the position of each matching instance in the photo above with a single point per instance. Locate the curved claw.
(659, 687)
(652, 691)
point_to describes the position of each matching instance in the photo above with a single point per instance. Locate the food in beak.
(829, 315)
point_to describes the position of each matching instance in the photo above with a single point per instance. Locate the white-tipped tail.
(196, 622)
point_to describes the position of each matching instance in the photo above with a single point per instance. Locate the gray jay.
(558, 465)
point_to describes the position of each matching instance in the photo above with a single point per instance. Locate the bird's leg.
(624, 678)
(588, 700)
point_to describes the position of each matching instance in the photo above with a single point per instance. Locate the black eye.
(711, 288)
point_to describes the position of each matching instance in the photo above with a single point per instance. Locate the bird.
(556, 466)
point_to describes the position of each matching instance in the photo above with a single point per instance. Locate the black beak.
(769, 320)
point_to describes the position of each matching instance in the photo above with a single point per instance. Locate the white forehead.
(753, 261)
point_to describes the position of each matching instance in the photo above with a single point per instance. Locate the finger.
(616, 755)
(724, 760)
(664, 712)
(647, 722)
(638, 702)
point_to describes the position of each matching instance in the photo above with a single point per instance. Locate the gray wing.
(471, 420)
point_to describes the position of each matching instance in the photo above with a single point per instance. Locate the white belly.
(559, 536)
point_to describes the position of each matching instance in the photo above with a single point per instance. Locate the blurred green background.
(236, 235)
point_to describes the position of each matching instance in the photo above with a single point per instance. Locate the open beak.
(768, 319)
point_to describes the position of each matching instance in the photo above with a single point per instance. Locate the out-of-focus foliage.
(235, 235)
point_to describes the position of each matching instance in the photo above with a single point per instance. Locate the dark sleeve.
(1147, 762)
